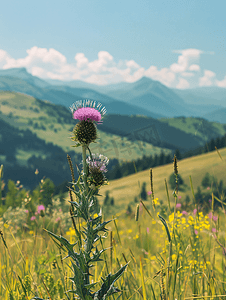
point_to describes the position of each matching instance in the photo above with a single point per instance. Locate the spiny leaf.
(107, 288)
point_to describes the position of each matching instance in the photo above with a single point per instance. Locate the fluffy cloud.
(50, 63)
(165, 75)
(194, 68)
(36, 56)
(185, 60)
(183, 84)
(221, 83)
(208, 78)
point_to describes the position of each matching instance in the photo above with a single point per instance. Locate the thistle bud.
(85, 132)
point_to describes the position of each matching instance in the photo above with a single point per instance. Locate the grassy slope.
(25, 108)
(125, 189)
(197, 126)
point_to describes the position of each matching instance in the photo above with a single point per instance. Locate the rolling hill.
(36, 134)
(125, 189)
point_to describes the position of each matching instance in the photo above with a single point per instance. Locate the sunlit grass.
(186, 263)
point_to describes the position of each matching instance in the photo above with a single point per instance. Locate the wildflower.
(196, 231)
(40, 207)
(210, 215)
(178, 205)
(26, 210)
(85, 111)
(208, 188)
(33, 218)
(215, 218)
(214, 230)
(195, 211)
(155, 201)
(57, 219)
(149, 193)
(148, 230)
(171, 217)
(179, 197)
(96, 169)
(184, 212)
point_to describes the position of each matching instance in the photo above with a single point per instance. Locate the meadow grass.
(180, 256)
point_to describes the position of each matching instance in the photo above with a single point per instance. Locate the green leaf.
(107, 288)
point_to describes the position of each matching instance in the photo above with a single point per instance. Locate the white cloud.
(132, 64)
(165, 75)
(50, 63)
(185, 60)
(82, 61)
(194, 68)
(187, 74)
(207, 79)
(221, 83)
(36, 56)
(183, 84)
(4, 57)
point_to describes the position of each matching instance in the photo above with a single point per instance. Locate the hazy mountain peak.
(14, 71)
(24, 75)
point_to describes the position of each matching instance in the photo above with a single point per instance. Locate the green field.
(197, 262)
(54, 125)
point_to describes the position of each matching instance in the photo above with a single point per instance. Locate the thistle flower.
(97, 167)
(87, 113)
(87, 110)
(40, 208)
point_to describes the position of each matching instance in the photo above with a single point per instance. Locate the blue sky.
(180, 43)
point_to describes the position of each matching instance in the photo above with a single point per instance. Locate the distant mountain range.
(143, 97)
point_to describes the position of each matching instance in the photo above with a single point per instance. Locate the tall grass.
(180, 255)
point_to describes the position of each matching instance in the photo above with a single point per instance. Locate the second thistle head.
(87, 112)
(97, 167)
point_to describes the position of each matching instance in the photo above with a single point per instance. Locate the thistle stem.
(84, 167)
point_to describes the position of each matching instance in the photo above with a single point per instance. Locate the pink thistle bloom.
(184, 212)
(97, 162)
(26, 211)
(148, 230)
(178, 205)
(210, 215)
(196, 232)
(214, 230)
(149, 193)
(195, 211)
(179, 197)
(33, 218)
(57, 219)
(40, 207)
(86, 110)
(215, 218)
(85, 113)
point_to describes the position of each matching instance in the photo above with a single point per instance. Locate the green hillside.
(31, 128)
(125, 189)
(53, 124)
(196, 126)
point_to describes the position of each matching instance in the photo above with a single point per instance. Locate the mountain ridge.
(143, 96)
